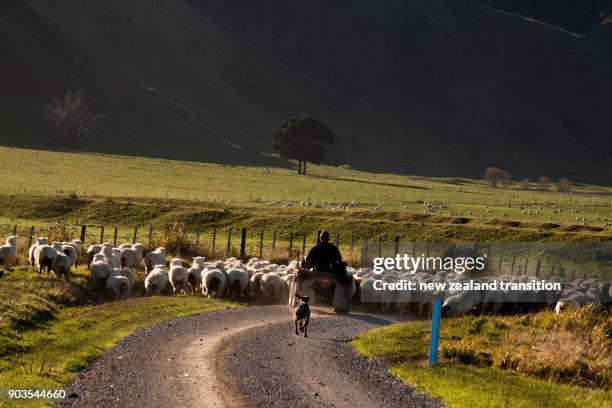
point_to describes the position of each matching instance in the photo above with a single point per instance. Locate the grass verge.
(49, 331)
(533, 360)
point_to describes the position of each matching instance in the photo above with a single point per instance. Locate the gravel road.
(243, 357)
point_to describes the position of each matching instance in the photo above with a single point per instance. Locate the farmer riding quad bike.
(335, 287)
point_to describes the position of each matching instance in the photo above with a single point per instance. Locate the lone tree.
(564, 185)
(493, 176)
(302, 138)
(543, 182)
(69, 118)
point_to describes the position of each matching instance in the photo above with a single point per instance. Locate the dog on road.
(301, 315)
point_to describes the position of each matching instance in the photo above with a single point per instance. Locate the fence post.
(501, 262)
(229, 241)
(261, 237)
(526, 263)
(338, 240)
(102, 234)
(197, 236)
(83, 233)
(15, 230)
(365, 249)
(318, 237)
(352, 243)
(513, 263)
(436, 316)
(31, 236)
(243, 244)
(135, 234)
(290, 245)
(538, 266)
(379, 247)
(274, 241)
(115, 236)
(397, 244)
(304, 247)
(214, 241)
(151, 234)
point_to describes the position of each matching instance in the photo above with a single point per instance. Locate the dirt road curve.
(242, 357)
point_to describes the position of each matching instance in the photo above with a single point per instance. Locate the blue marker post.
(436, 316)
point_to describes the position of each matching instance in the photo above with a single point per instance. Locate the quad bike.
(331, 288)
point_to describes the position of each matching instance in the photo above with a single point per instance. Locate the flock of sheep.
(268, 283)
(574, 293)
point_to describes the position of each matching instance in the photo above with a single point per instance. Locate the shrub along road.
(243, 357)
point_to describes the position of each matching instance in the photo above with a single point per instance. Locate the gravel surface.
(243, 357)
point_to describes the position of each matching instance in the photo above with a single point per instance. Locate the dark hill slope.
(434, 87)
(577, 16)
(40, 62)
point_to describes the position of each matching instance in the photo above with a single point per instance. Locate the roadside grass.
(51, 329)
(539, 359)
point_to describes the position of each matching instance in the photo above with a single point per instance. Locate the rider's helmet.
(324, 236)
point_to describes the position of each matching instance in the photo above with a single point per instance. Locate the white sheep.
(110, 255)
(70, 250)
(156, 280)
(8, 252)
(214, 282)
(44, 257)
(92, 250)
(61, 265)
(194, 277)
(117, 285)
(238, 281)
(39, 242)
(132, 256)
(157, 257)
(129, 274)
(100, 269)
(178, 276)
(271, 287)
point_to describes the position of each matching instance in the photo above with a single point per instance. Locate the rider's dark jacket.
(323, 255)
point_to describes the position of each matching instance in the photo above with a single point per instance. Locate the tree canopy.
(302, 138)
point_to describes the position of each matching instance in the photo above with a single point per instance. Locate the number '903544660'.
(25, 394)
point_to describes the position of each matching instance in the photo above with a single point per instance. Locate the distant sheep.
(8, 252)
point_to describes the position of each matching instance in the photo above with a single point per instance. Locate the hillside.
(430, 87)
(578, 16)
(41, 62)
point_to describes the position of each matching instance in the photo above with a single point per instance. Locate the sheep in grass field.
(100, 269)
(214, 282)
(117, 285)
(156, 280)
(194, 274)
(44, 257)
(178, 276)
(157, 257)
(131, 256)
(39, 242)
(8, 252)
(238, 281)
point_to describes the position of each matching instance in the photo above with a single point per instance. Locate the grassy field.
(39, 188)
(540, 359)
(50, 329)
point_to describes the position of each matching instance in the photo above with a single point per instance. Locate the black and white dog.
(301, 314)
